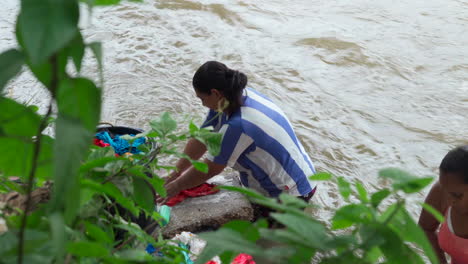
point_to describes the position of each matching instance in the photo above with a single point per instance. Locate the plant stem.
(36, 150)
(29, 185)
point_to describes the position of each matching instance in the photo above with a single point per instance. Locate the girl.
(258, 139)
(450, 197)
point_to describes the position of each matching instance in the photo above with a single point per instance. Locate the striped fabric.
(260, 143)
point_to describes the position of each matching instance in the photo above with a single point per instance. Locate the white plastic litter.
(195, 244)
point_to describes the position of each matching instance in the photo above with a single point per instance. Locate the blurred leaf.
(155, 181)
(87, 249)
(193, 128)
(100, 162)
(403, 224)
(80, 99)
(404, 181)
(72, 141)
(394, 247)
(362, 193)
(143, 195)
(308, 229)
(200, 166)
(164, 125)
(321, 176)
(378, 197)
(97, 233)
(344, 187)
(134, 229)
(19, 163)
(245, 228)
(351, 214)
(57, 226)
(231, 241)
(212, 141)
(76, 51)
(245, 191)
(103, 2)
(11, 62)
(372, 255)
(46, 26)
(111, 190)
(434, 212)
(290, 200)
(18, 119)
(96, 48)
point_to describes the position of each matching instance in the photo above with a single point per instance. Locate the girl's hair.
(456, 161)
(216, 75)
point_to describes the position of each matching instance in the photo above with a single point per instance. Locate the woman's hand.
(172, 189)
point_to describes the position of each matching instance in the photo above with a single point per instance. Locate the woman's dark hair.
(216, 75)
(456, 161)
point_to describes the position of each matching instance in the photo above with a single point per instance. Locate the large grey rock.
(211, 211)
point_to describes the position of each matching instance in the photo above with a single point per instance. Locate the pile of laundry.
(120, 145)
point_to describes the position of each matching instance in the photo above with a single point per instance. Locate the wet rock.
(211, 211)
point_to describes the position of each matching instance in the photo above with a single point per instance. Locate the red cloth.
(200, 190)
(100, 143)
(240, 259)
(243, 259)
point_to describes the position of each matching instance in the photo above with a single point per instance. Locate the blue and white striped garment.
(260, 143)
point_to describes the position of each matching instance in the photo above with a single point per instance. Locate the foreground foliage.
(96, 196)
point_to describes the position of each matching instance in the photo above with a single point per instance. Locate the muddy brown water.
(366, 84)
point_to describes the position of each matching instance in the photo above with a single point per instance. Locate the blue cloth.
(119, 145)
(259, 142)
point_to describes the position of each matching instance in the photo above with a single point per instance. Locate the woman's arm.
(191, 178)
(194, 149)
(429, 224)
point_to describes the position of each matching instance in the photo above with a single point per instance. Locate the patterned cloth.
(260, 143)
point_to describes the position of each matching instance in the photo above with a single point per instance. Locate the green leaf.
(18, 119)
(231, 241)
(312, 231)
(247, 229)
(408, 230)
(344, 187)
(114, 192)
(155, 181)
(404, 181)
(96, 48)
(200, 166)
(321, 176)
(20, 163)
(290, 200)
(434, 212)
(193, 128)
(72, 141)
(378, 197)
(143, 195)
(164, 125)
(104, 2)
(80, 99)
(351, 214)
(76, 50)
(87, 249)
(46, 26)
(395, 249)
(98, 163)
(212, 141)
(57, 226)
(362, 193)
(97, 233)
(11, 62)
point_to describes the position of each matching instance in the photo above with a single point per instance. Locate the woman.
(258, 139)
(450, 197)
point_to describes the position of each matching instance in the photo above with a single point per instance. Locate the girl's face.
(212, 101)
(456, 190)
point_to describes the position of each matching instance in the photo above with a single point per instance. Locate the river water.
(366, 84)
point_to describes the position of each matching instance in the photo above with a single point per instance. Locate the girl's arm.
(194, 149)
(429, 224)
